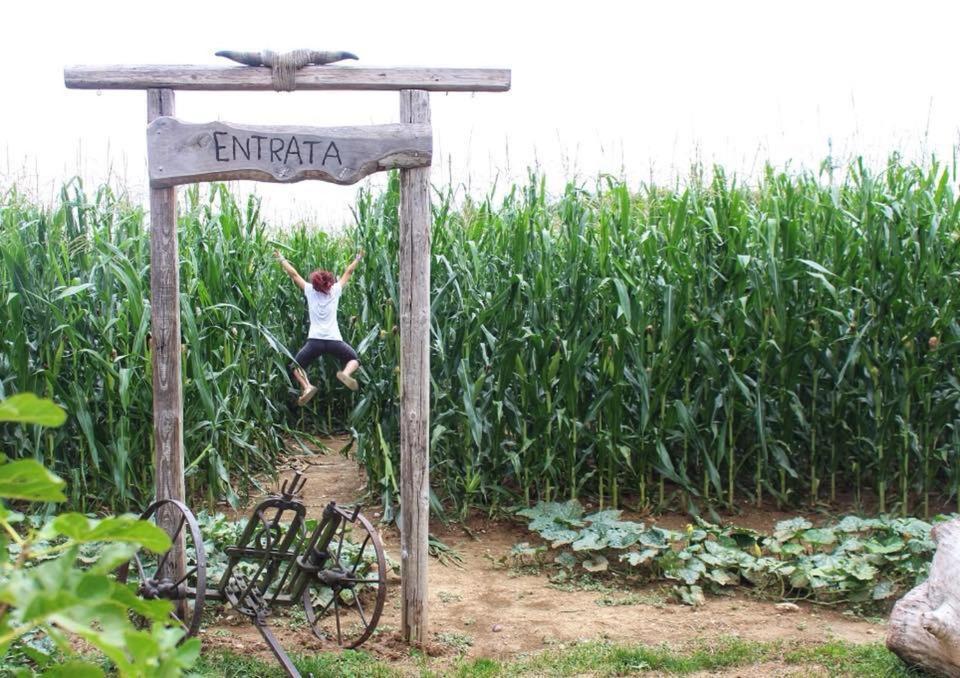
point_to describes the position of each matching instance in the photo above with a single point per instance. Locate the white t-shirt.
(322, 309)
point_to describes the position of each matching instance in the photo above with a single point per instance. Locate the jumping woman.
(323, 297)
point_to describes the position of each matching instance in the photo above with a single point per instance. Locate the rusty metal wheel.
(154, 572)
(344, 600)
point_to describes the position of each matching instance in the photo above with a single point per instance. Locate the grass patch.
(591, 658)
(346, 664)
(604, 659)
(656, 599)
(850, 659)
(448, 597)
(459, 642)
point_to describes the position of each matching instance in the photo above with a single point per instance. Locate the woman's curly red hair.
(322, 281)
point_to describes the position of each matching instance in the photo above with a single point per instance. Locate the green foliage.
(46, 596)
(595, 659)
(75, 328)
(446, 555)
(345, 664)
(556, 522)
(458, 642)
(27, 408)
(863, 562)
(28, 480)
(694, 345)
(838, 658)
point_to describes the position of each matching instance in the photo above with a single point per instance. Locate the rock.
(786, 607)
(496, 628)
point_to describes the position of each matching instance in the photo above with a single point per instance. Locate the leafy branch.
(45, 594)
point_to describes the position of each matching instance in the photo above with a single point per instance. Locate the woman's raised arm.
(290, 270)
(345, 278)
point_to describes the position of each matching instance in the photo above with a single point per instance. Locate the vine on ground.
(865, 562)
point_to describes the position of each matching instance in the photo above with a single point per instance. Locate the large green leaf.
(656, 537)
(74, 669)
(862, 570)
(883, 590)
(722, 577)
(26, 408)
(28, 480)
(596, 563)
(637, 558)
(544, 513)
(606, 530)
(689, 571)
(690, 595)
(554, 520)
(787, 529)
(72, 290)
(884, 547)
(127, 528)
(819, 536)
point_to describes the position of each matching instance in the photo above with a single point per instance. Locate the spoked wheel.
(154, 572)
(343, 602)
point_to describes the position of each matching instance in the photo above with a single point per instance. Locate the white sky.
(640, 89)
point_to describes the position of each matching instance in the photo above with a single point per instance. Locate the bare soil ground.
(486, 608)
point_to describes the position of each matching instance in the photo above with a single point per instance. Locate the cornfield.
(701, 346)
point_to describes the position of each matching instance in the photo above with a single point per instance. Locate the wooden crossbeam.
(188, 77)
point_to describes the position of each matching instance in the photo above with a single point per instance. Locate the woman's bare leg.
(301, 378)
(344, 375)
(307, 389)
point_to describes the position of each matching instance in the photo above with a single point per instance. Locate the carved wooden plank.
(415, 218)
(194, 77)
(182, 153)
(165, 344)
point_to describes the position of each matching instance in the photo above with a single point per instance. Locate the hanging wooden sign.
(183, 153)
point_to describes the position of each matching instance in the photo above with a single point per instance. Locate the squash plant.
(862, 562)
(48, 602)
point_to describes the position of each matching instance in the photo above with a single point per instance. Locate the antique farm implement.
(337, 571)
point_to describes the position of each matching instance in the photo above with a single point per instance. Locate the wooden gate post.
(165, 343)
(415, 220)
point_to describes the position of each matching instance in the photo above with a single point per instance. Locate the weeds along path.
(486, 608)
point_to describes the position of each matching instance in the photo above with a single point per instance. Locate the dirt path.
(485, 608)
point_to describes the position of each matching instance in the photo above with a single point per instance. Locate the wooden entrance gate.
(182, 153)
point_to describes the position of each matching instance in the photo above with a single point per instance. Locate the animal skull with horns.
(301, 57)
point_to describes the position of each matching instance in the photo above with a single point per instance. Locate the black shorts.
(314, 348)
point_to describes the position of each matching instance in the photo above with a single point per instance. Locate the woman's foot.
(348, 381)
(307, 395)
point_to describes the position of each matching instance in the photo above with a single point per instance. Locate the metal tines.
(292, 487)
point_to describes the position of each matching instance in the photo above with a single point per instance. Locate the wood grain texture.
(165, 343)
(924, 626)
(182, 153)
(192, 77)
(415, 219)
